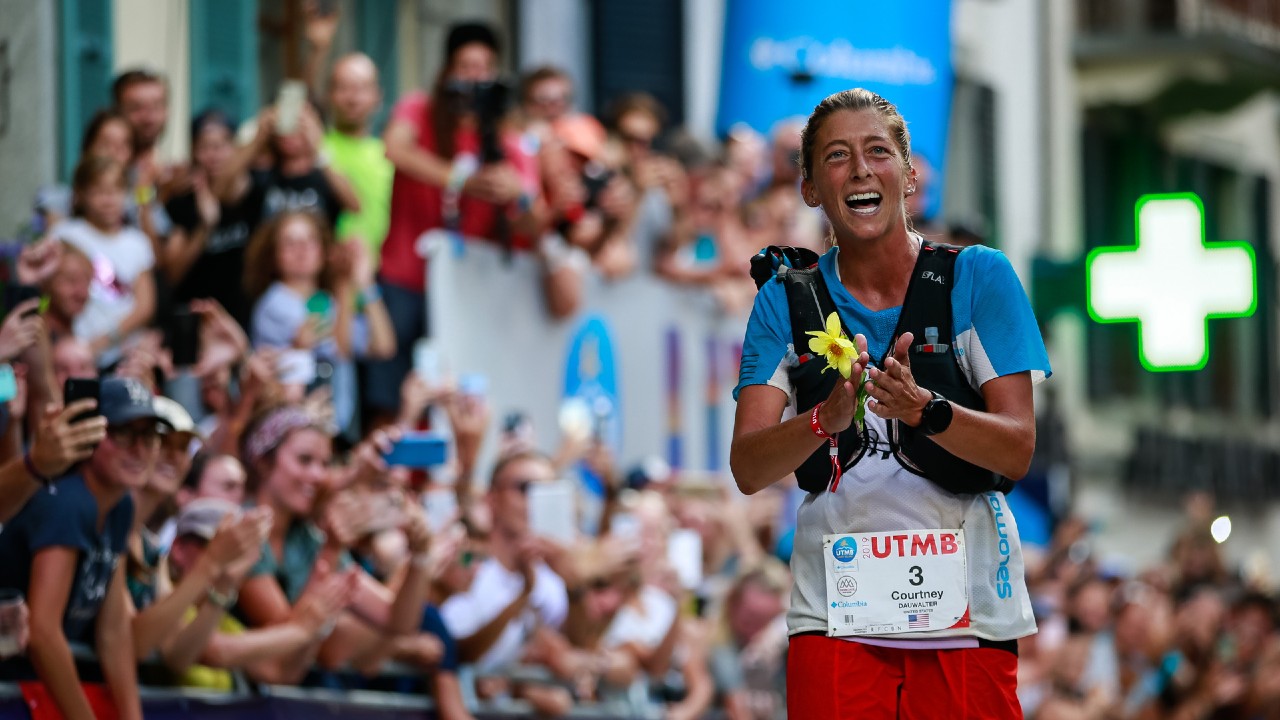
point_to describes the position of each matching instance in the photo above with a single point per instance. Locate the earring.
(911, 190)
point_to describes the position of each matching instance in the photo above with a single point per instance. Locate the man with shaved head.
(354, 100)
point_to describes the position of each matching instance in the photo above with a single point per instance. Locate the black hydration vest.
(926, 314)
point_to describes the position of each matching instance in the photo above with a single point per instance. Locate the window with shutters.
(639, 46)
(85, 70)
(224, 64)
(376, 36)
(971, 167)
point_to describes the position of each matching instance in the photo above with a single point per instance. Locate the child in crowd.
(319, 302)
(122, 296)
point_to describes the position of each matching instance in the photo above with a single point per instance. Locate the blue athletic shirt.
(996, 332)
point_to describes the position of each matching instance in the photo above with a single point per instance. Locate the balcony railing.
(1252, 21)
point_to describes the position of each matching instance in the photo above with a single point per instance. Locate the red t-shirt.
(417, 207)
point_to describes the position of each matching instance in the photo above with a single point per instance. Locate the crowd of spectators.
(221, 512)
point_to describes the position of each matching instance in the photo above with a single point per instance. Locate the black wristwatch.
(936, 416)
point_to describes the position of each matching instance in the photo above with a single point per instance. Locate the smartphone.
(684, 553)
(15, 295)
(296, 367)
(552, 512)
(289, 103)
(79, 389)
(624, 525)
(419, 450)
(183, 336)
(441, 506)
(474, 385)
(426, 362)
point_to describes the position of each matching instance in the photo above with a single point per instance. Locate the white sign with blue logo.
(780, 62)
(899, 581)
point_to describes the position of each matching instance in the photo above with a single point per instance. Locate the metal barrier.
(286, 703)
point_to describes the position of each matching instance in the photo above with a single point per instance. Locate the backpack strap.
(927, 315)
(928, 301)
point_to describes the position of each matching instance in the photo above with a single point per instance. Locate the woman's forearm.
(114, 644)
(251, 646)
(382, 334)
(56, 668)
(182, 250)
(998, 442)
(185, 648)
(159, 620)
(763, 456)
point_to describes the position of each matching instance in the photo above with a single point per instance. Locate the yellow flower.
(832, 345)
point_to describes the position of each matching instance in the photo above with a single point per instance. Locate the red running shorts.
(834, 679)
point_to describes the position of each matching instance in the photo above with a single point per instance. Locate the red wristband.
(814, 425)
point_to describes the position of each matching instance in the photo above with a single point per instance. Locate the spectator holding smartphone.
(58, 443)
(304, 301)
(65, 549)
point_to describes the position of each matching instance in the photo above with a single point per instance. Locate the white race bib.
(900, 581)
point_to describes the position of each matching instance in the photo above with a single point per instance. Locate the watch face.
(937, 415)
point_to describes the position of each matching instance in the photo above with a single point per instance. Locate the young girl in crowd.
(122, 295)
(317, 302)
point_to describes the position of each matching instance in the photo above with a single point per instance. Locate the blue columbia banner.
(781, 59)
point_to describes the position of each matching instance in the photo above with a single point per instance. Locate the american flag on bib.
(918, 621)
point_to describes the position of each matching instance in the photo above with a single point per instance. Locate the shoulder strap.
(928, 301)
(809, 303)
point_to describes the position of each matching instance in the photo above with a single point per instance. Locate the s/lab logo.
(845, 550)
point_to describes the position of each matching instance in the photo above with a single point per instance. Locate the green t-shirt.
(363, 161)
(302, 545)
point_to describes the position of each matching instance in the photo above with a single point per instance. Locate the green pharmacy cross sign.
(1171, 282)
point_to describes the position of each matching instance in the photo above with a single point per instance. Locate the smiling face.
(114, 140)
(126, 457)
(214, 146)
(300, 469)
(473, 62)
(858, 175)
(509, 494)
(223, 478)
(299, 252)
(354, 94)
(145, 106)
(102, 200)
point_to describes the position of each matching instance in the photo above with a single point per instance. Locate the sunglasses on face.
(636, 139)
(520, 485)
(130, 435)
(178, 442)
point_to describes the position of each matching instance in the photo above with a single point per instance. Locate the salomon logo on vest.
(1004, 589)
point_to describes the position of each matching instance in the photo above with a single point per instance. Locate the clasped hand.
(893, 391)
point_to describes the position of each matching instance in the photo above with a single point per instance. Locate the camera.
(489, 101)
(596, 178)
